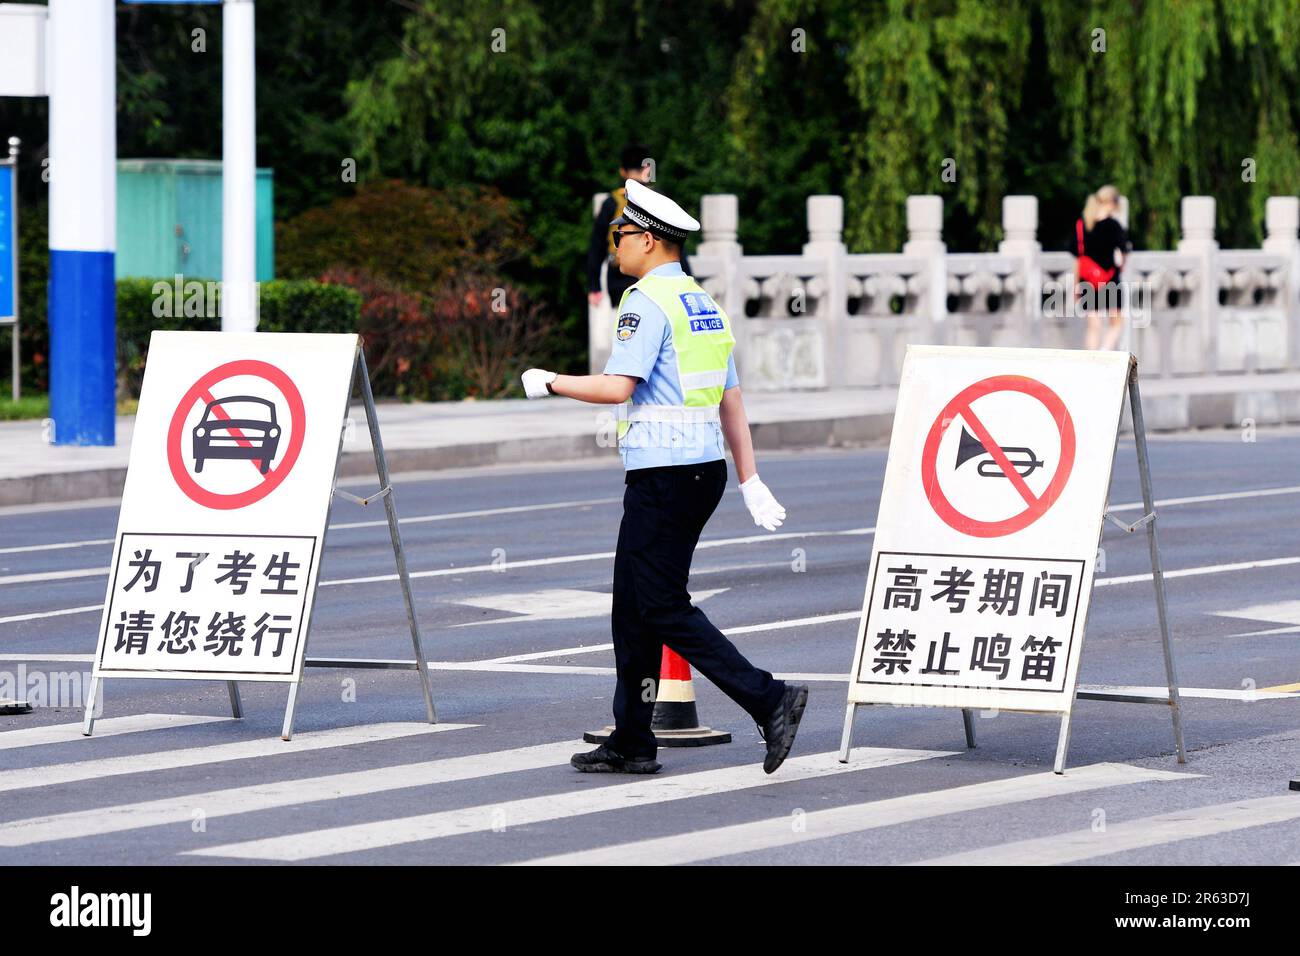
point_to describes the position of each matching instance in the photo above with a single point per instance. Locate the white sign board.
(990, 518)
(227, 496)
(22, 49)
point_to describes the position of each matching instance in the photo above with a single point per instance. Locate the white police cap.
(656, 212)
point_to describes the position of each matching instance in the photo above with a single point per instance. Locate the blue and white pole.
(238, 169)
(83, 216)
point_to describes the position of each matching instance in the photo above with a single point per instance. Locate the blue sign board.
(8, 248)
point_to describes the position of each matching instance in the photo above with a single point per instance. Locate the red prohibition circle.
(297, 415)
(1035, 505)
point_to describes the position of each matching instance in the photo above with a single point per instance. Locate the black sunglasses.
(631, 232)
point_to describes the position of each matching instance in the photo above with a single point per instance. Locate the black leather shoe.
(780, 727)
(604, 760)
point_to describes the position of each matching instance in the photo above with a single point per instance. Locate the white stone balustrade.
(828, 318)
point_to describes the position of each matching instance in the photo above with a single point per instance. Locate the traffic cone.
(676, 722)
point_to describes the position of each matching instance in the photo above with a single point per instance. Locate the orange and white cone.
(676, 722)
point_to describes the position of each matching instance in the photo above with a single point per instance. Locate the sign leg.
(968, 721)
(1157, 572)
(88, 727)
(394, 531)
(1062, 743)
(236, 707)
(847, 739)
(286, 732)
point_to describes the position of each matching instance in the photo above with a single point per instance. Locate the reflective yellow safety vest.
(702, 339)
(620, 200)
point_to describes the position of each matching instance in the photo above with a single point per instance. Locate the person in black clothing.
(1101, 245)
(635, 162)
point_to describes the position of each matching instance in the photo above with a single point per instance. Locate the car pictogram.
(238, 427)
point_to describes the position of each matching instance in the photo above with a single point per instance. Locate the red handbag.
(1089, 270)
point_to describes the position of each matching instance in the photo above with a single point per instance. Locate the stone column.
(1020, 240)
(826, 242)
(925, 241)
(719, 222)
(1197, 218)
(1282, 225)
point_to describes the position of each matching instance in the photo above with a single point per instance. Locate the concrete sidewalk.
(435, 435)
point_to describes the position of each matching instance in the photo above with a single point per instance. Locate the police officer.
(672, 376)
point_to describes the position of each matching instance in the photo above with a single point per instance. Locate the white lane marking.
(348, 525)
(1204, 569)
(1268, 632)
(41, 576)
(551, 604)
(1159, 830)
(1286, 613)
(51, 775)
(794, 622)
(838, 821)
(743, 629)
(591, 556)
(1206, 693)
(312, 844)
(543, 655)
(38, 615)
(60, 546)
(281, 793)
(105, 727)
(1203, 499)
(566, 559)
(508, 666)
(519, 668)
(480, 513)
(486, 512)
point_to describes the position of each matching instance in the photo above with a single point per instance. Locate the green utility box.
(169, 219)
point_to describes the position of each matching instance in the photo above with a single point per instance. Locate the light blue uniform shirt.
(648, 354)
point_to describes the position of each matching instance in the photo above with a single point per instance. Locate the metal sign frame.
(1119, 694)
(360, 376)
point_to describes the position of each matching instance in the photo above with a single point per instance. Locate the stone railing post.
(925, 241)
(826, 242)
(1282, 228)
(1197, 218)
(719, 221)
(1020, 240)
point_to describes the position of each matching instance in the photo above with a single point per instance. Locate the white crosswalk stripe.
(822, 824)
(107, 727)
(285, 793)
(313, 844)
(216, 753)
(1158, 830)
(583, 797)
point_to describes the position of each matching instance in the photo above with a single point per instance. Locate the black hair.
(676, 245)
(633, 156)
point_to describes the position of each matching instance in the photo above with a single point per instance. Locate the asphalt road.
(512, 576)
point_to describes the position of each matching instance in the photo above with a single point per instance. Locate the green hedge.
(285, 305)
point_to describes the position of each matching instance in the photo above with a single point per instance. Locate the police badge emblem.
(627, 323)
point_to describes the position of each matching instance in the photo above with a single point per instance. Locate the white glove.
(767, 511)
(535, 382)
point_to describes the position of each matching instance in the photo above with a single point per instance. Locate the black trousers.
(664, 511)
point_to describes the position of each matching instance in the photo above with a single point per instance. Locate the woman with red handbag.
(1100, 246)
